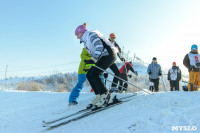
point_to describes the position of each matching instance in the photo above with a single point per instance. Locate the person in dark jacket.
(192, 62)
(174, 77)
(124, 75)
(114, 67)
(154, 71)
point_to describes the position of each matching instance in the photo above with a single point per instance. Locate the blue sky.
(37, 36)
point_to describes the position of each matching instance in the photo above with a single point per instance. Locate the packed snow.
(23, 112)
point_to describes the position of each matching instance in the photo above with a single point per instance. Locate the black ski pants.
(174, 84)
(94, 73)
(156, 85)
(115, 70)
(125, 85)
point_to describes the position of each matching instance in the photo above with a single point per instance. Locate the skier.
(114, 67)
(154, 71)
(174, 77)
(103, 55)
(124, 74)
(81, 78)
(191, 61)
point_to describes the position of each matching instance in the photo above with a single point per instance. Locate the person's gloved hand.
(160, 74)
(198, 64)
(105, 75)
(121, 57)
(89, 62)
(86, 70)
(191, 67)
(129, 75)
(149, 73)
(136, 73)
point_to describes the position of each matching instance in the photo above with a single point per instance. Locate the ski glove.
(191, 67)
(160, 74)
(89, 62)
(198, 64)
(122, 59)
(105, 75)
(129, 75)
(121, 56)
(136, 73)
(149, 73)
(86, 70)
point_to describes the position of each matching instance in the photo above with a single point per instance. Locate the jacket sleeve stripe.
(93, 36)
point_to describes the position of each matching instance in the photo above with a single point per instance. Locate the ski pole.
(123, 80)
(163, 82)
(116, 84)
(193, 82)
(120, 78)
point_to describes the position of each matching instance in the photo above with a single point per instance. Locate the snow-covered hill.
(23, 112)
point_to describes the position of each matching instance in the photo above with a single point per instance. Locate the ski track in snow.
(23, 112)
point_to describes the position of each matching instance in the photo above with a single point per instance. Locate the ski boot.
(103, 101)
(73, 103)
(93, 102)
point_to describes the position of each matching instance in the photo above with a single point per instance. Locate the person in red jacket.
(124, 75)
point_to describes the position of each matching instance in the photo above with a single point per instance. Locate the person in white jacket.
(103, 55)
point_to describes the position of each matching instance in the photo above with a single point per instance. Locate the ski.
(79, 112)
(65, 117)
(49, 127)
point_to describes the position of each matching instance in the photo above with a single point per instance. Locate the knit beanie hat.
(154, 58)
(174, 63)
(80, 29)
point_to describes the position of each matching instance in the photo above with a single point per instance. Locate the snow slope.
(23, 112)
